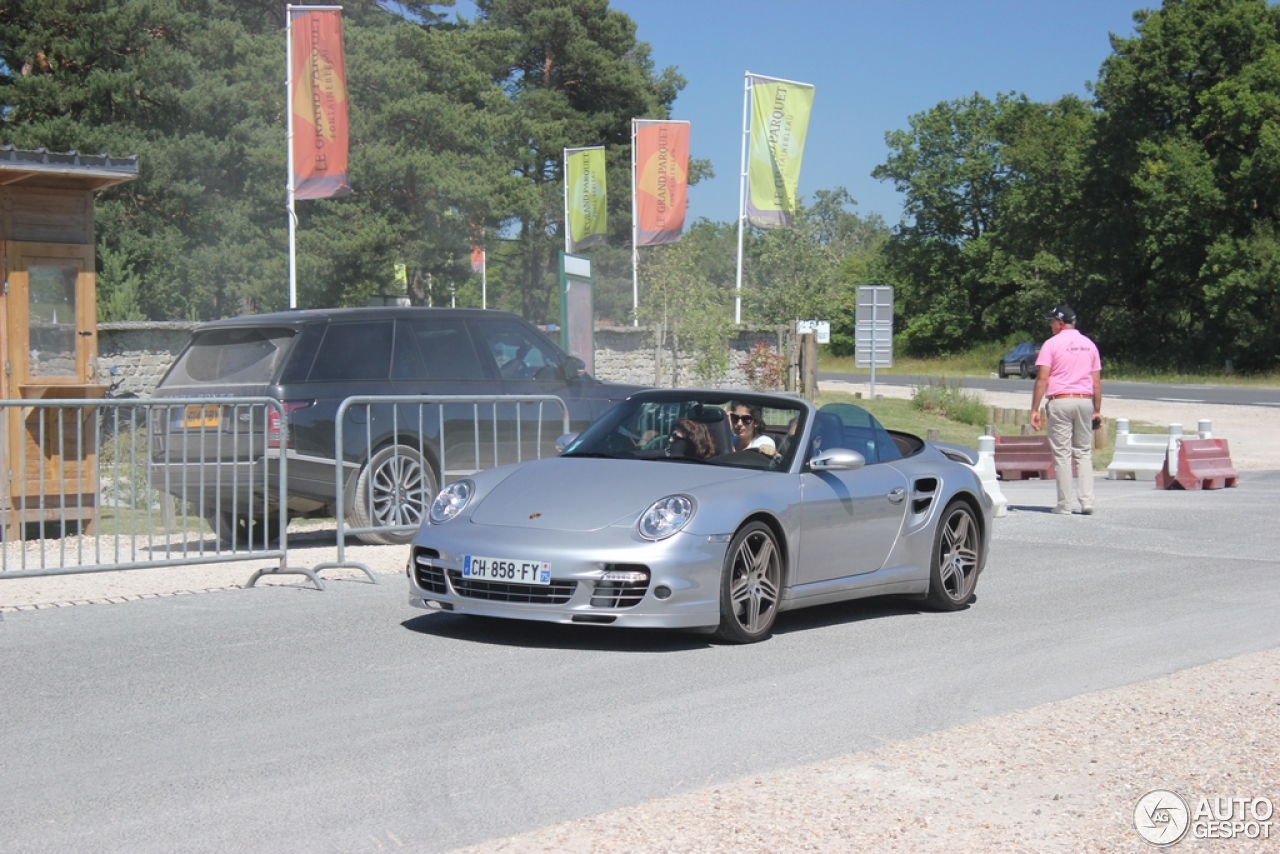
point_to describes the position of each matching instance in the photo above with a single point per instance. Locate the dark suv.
(311, 361)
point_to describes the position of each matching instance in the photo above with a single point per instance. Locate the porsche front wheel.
(750, 585)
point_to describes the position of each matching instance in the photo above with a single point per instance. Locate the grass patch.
(951, 401)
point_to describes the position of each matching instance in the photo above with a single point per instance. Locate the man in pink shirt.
(1070, 379)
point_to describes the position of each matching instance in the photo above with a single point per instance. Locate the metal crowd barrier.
(449, 436)
(105, 485)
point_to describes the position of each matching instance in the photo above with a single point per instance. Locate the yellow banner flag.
(585, 201)
(779, 122)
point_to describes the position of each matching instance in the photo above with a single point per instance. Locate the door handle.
(897, 495)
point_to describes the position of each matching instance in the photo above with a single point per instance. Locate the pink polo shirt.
(1071, 358)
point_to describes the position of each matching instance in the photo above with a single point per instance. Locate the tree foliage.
(456, 129)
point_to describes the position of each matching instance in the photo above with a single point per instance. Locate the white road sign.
(873, 327)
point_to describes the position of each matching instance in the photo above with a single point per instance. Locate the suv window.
(248, 356)
(520, 354)
(354, 351)
(434, 350)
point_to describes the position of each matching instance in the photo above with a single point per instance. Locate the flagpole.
(484, 278)
(635, 249)
(288, 109)
(742, 199)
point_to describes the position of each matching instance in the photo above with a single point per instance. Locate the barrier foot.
(285, 570)
(349, 565)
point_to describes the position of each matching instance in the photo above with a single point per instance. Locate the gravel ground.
(1063, 776)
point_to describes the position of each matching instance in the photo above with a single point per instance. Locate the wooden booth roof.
(69, 170)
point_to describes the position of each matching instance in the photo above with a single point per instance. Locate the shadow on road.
(535, 635)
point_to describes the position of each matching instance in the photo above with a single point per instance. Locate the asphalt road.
(1239, 395)
(275, 719)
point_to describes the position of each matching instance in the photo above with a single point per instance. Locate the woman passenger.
(690, 439)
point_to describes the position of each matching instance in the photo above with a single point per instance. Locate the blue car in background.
(1021, 360)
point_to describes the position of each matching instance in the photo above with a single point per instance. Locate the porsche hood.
(567, 494)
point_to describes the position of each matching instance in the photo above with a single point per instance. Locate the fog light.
(662, 591)
(625, 577)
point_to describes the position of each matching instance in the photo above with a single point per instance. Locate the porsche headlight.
(451, 500)
(666, 516)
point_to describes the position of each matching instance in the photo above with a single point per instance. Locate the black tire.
(750, 585)
(1000, 371)
(245, 531)
(396, 487)
(956, 557)
(1024, 371)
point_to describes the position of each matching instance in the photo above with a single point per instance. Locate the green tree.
(577, 76)
(1184, 189)
(455, 128)
(950, 166)
(794, 272)
(184, 87)
(687, 293)
(993, 199)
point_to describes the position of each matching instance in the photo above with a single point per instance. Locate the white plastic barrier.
(1141, 456)
(986, 469)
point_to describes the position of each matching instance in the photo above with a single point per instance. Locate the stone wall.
(628, 354)
(141, 352)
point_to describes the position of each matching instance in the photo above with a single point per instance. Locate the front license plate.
(506, 569)
(200, 417)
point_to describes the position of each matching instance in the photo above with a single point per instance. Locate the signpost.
(820, 328)
(577, 308)
(873, 330)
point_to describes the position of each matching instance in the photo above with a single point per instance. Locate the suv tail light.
(273, 421)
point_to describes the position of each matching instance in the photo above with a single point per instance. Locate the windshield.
(745, 431)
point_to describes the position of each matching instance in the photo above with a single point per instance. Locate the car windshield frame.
(643, 428)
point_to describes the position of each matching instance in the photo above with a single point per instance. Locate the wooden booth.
(48, 326)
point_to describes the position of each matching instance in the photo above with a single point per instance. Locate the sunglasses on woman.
(745, 419)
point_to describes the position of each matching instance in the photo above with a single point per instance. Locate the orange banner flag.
(477, 259)
(318, 99)
(661, 180)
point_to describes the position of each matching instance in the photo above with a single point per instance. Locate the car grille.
(502, 591)
(621, 594)
(428, 576)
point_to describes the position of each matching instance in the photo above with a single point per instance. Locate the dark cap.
(1065, 313)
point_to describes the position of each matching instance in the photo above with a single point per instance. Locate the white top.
(764, 445)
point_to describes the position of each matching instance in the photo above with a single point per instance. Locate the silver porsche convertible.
(707, 510)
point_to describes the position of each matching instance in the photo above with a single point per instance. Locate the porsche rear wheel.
(750, 585)
(957, 554)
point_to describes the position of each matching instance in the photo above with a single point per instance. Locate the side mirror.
(574, 368)
(837, 459)
(565, 441)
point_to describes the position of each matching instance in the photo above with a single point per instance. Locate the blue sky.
(874, 65)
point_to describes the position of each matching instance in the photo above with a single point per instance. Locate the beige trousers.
(1070, 425)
